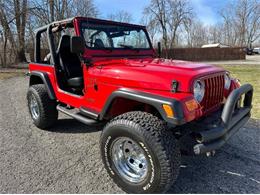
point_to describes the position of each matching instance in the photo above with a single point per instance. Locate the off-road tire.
(48, 113)
(160, 146)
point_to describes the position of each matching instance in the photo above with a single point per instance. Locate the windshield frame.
(104, 23)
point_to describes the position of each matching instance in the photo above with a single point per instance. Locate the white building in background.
(215, 45)
(256, 50)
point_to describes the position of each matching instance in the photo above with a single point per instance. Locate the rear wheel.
(42, 109)
(139, 153)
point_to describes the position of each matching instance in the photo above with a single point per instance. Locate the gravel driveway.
(66, 159)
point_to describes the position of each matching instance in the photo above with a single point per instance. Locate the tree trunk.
(20, 19)
(4, 57)
(51, 4)
(20, 55)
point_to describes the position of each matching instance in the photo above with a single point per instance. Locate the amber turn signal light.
(168, 110)
(191, 105)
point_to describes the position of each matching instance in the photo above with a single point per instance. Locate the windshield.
(102, 36)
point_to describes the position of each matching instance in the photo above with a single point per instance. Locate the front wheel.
(139, 153)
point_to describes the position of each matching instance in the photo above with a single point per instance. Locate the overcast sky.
(206, 10)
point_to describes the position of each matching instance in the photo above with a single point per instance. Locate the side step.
(77, 116)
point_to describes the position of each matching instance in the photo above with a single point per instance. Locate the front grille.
(214, 92)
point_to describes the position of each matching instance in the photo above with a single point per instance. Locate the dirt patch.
(7, 73)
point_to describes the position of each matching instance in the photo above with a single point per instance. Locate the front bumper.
(231, 120)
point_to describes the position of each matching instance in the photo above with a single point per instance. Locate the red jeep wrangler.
(156, 109)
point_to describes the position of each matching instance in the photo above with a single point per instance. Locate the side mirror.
(77, 45)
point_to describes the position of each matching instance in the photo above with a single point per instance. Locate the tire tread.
(163, 142)
(48, 111)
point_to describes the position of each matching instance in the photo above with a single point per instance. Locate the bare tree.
(197, 34)
(121, 16)
(152, 28)
(179, 14)
(228, 28)
(176, 22)
(85, 8)
(215, 34)
(248, 21)
(13, 17)
(19, 18)
(240, 26)
(46, 11)
(21, 14)
(6, 32)
(170, 16)
(157, 12)
(242, 22)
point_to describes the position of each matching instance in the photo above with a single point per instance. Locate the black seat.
(99, 44)
(76, 82)
(70, 63)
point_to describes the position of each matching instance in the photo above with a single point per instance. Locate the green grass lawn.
(248, 74)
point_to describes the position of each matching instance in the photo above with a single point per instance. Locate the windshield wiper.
(126, 46)
(109, 49)
(129, 47)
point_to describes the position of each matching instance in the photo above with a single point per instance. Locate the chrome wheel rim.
(34, 107)
(129, 160)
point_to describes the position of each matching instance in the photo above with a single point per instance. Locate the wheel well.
(123, 105)
(42, 78)
(34, 80)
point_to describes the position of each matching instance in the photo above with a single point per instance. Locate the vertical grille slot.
(214, 92)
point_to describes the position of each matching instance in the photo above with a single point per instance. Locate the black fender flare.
(153, 100)
(46, 81)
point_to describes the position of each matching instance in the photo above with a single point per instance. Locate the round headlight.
(199, 90)
(227, 81)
